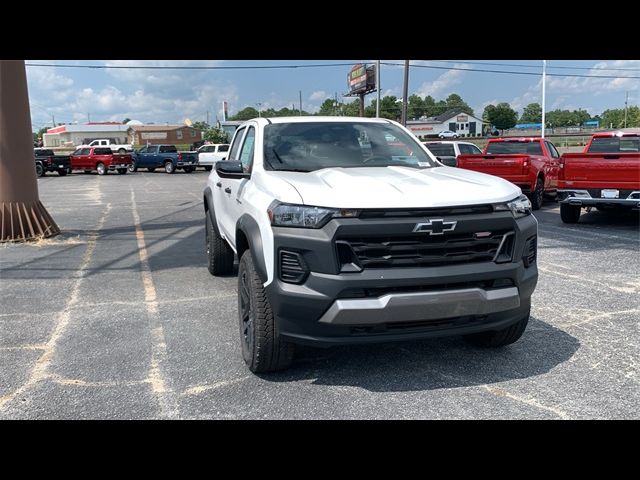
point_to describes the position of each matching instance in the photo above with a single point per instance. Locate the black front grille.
(417, 250)
(530, 251)
(292, 267)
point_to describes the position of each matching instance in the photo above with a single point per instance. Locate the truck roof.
(616, 134)
(516, 139)
(314, 119)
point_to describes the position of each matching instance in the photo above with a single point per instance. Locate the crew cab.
(101, 159)
(48, 161)
(530, 163)
(107, 142)
(447, 152)
(605, 176)
(164, 156)
(211, 153)
(342, 241)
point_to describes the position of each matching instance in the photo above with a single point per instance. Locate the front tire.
(168, 167)
(188, 169)
(62, 173)
(102, 170)
(219, 253)
(570, 213)
(499, 338)
(263, 350)
(133, 168)
(208, 168)
(537, 197)
(122, 150)
(40, 170)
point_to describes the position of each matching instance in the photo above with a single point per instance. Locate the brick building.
(163, 134)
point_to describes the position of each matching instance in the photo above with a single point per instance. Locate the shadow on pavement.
(432, 364)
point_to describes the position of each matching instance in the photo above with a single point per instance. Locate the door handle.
(219, 184)
(228, 190)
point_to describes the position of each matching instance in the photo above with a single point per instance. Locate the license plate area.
(610, 193)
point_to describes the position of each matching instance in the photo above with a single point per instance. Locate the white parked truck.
(341, 240)
(106, 142)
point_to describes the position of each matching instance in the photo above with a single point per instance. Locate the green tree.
(216, 135)
(614, 118)
(501, 116)
(351, 109)
(328, 108)
(201, 126)
(246, 114)
(415, 107)
(429, 106)
(454, 101)
(532, 113)
(126, 120)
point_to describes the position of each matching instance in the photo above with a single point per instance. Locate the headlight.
(287, 215)
(520, 207)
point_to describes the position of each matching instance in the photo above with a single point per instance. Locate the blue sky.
(71, 94)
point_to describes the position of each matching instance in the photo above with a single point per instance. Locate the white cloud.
(443, 85)
(318, 95)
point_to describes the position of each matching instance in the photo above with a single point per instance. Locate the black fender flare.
(208, 208)
(249, 227)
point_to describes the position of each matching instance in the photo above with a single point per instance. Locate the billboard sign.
(153, 135)
(357, 78)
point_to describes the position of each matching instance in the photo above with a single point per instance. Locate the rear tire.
(537, 196)
(570, 213)
(122, 171)
(263, 350)
(219, 253)
(40, 170)
(122, 150)
(499, 338)
(188, 169)
(62, 173)
(168, 167)
(133, 168)
(102, 170)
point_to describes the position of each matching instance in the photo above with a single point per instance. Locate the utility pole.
(207, 117)
(378, 89)
(259, 105)
(405, 92)
(88, 117)
(300, 92)
(544, 81)
(626, 101)
(53, 120)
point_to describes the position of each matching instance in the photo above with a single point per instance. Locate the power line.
(189, 67)
(511, 72)
(566, 67)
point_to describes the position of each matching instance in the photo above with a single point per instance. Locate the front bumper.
(401, 303)
(583, 198)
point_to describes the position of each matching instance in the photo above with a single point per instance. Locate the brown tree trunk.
(22, 215)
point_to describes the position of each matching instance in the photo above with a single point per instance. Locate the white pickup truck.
(211, 153)
(105, 142)
(340, 240)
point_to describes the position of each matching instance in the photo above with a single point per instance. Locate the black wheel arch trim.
(208, 208)
(247, 225)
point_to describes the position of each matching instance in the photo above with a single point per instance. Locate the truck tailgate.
(500, 165)
(601, 170)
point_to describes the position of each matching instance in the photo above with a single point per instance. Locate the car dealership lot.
(118, 317)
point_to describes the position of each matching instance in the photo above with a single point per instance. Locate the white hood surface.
(398, 187)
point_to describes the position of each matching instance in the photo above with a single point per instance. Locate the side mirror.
(230, 169)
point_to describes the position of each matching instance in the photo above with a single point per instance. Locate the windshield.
(315, 145)
(529, 148)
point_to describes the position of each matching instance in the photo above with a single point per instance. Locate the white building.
(72, 134)
(463, 124)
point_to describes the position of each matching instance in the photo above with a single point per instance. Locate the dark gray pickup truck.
(48, 161)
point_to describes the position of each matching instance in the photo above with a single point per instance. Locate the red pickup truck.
(101, 159)
(531, 163)
(605, 176)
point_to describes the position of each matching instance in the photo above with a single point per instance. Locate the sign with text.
(462, 119)
(153, 135)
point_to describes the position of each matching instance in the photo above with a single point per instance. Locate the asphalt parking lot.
(119, 318)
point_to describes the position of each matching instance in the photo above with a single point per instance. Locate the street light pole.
(378, 89)
(405, 93)
(544, 81)
(259, 105)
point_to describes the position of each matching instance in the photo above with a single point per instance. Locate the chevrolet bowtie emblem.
(435, 226)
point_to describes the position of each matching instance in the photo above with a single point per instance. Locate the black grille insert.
(427, 212)
(415, 250)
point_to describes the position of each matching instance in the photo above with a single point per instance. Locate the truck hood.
(398, 187)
